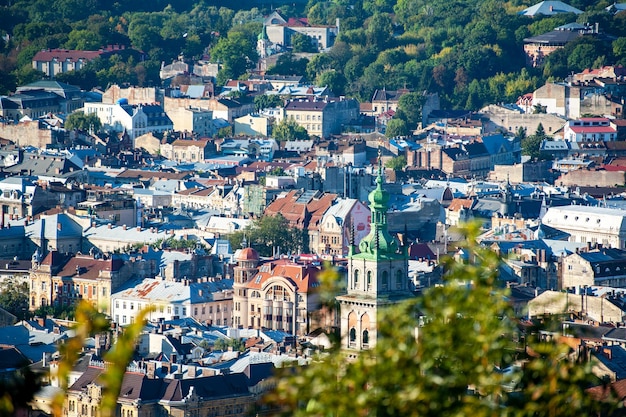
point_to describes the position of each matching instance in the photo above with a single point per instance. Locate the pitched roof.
(303, 277)
(549, 8)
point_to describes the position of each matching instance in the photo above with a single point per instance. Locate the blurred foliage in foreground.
(452, 365)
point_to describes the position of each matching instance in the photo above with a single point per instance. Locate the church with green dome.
(377, 275)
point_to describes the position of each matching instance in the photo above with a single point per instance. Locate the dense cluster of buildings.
(139, 215)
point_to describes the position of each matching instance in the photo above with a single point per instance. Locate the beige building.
(322, 117)
(593, 225)
(186, 150)
(193, 120)
(144, 395)
(598, 309)
(63, 280)
(134, 95)
(277, 295)
(222, 108)
(28, 134)
(148, 142)
(252, 125)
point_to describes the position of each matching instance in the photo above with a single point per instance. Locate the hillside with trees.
(469, 52)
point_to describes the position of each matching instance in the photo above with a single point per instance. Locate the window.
(352, 335)
(117, 304)
(385, 281)
(369, 280)
(356, 278)
(366, 337)
(123, 319)
(184, 311)
(398, 279)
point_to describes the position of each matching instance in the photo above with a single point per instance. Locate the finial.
(380, 163)
(244, 242)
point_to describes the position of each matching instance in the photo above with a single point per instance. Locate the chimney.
(150, 369)
(124, 227)
(109, 225)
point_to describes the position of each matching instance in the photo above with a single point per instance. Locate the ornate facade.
(377, 276)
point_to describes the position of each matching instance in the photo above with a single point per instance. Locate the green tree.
(396, 127)
(440, 354)
(333, 80)
(14, 298)
(289, 64)
(236, 52)
(397, 163)
(410, 108)
(289, 129)
(266, 101)
(302, 43)
(269, 234)
(81, 121)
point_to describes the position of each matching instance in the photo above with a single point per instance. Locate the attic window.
(565, 217)
(258, 279)
(598, 221)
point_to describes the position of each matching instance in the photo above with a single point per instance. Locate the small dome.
(248, 254)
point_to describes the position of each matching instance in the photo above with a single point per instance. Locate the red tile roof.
(304, 277)
(592, 129)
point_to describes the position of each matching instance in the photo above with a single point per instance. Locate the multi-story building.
(63, 280)
(193, 120)
(595, 225)
(598, 267)
(207, 300)
(279, 31)
(135, 120)
(143, 395)
(347, 217)
(55, 61)
(322, 117)
(109, 204)
(377, 276)
(277, 295)
(186, 150)
(590, 129)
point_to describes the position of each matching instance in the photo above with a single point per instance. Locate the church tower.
(377, 276)
(246, 268)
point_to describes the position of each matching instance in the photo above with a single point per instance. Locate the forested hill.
(469, 51)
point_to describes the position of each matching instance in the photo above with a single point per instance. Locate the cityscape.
(322, 208)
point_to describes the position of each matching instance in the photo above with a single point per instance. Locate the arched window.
(369, 280)
(356, 279)
(398, 279)
(385, 281)
(366, 337)
(352, 340)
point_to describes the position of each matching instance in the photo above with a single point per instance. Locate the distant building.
(595, 225)
(537, 48)
(322, 117)
(549, 8)
(206, 300)
(187, 150)
(277, 295)
(134, 120)
(55, 61)
(280, 30)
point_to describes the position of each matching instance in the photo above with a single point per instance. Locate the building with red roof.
(277, 295)
(55, 61)
(590, 129)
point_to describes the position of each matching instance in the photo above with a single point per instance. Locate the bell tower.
(246, 268)
(377, 275)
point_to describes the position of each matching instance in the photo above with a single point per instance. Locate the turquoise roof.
(379, 244)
